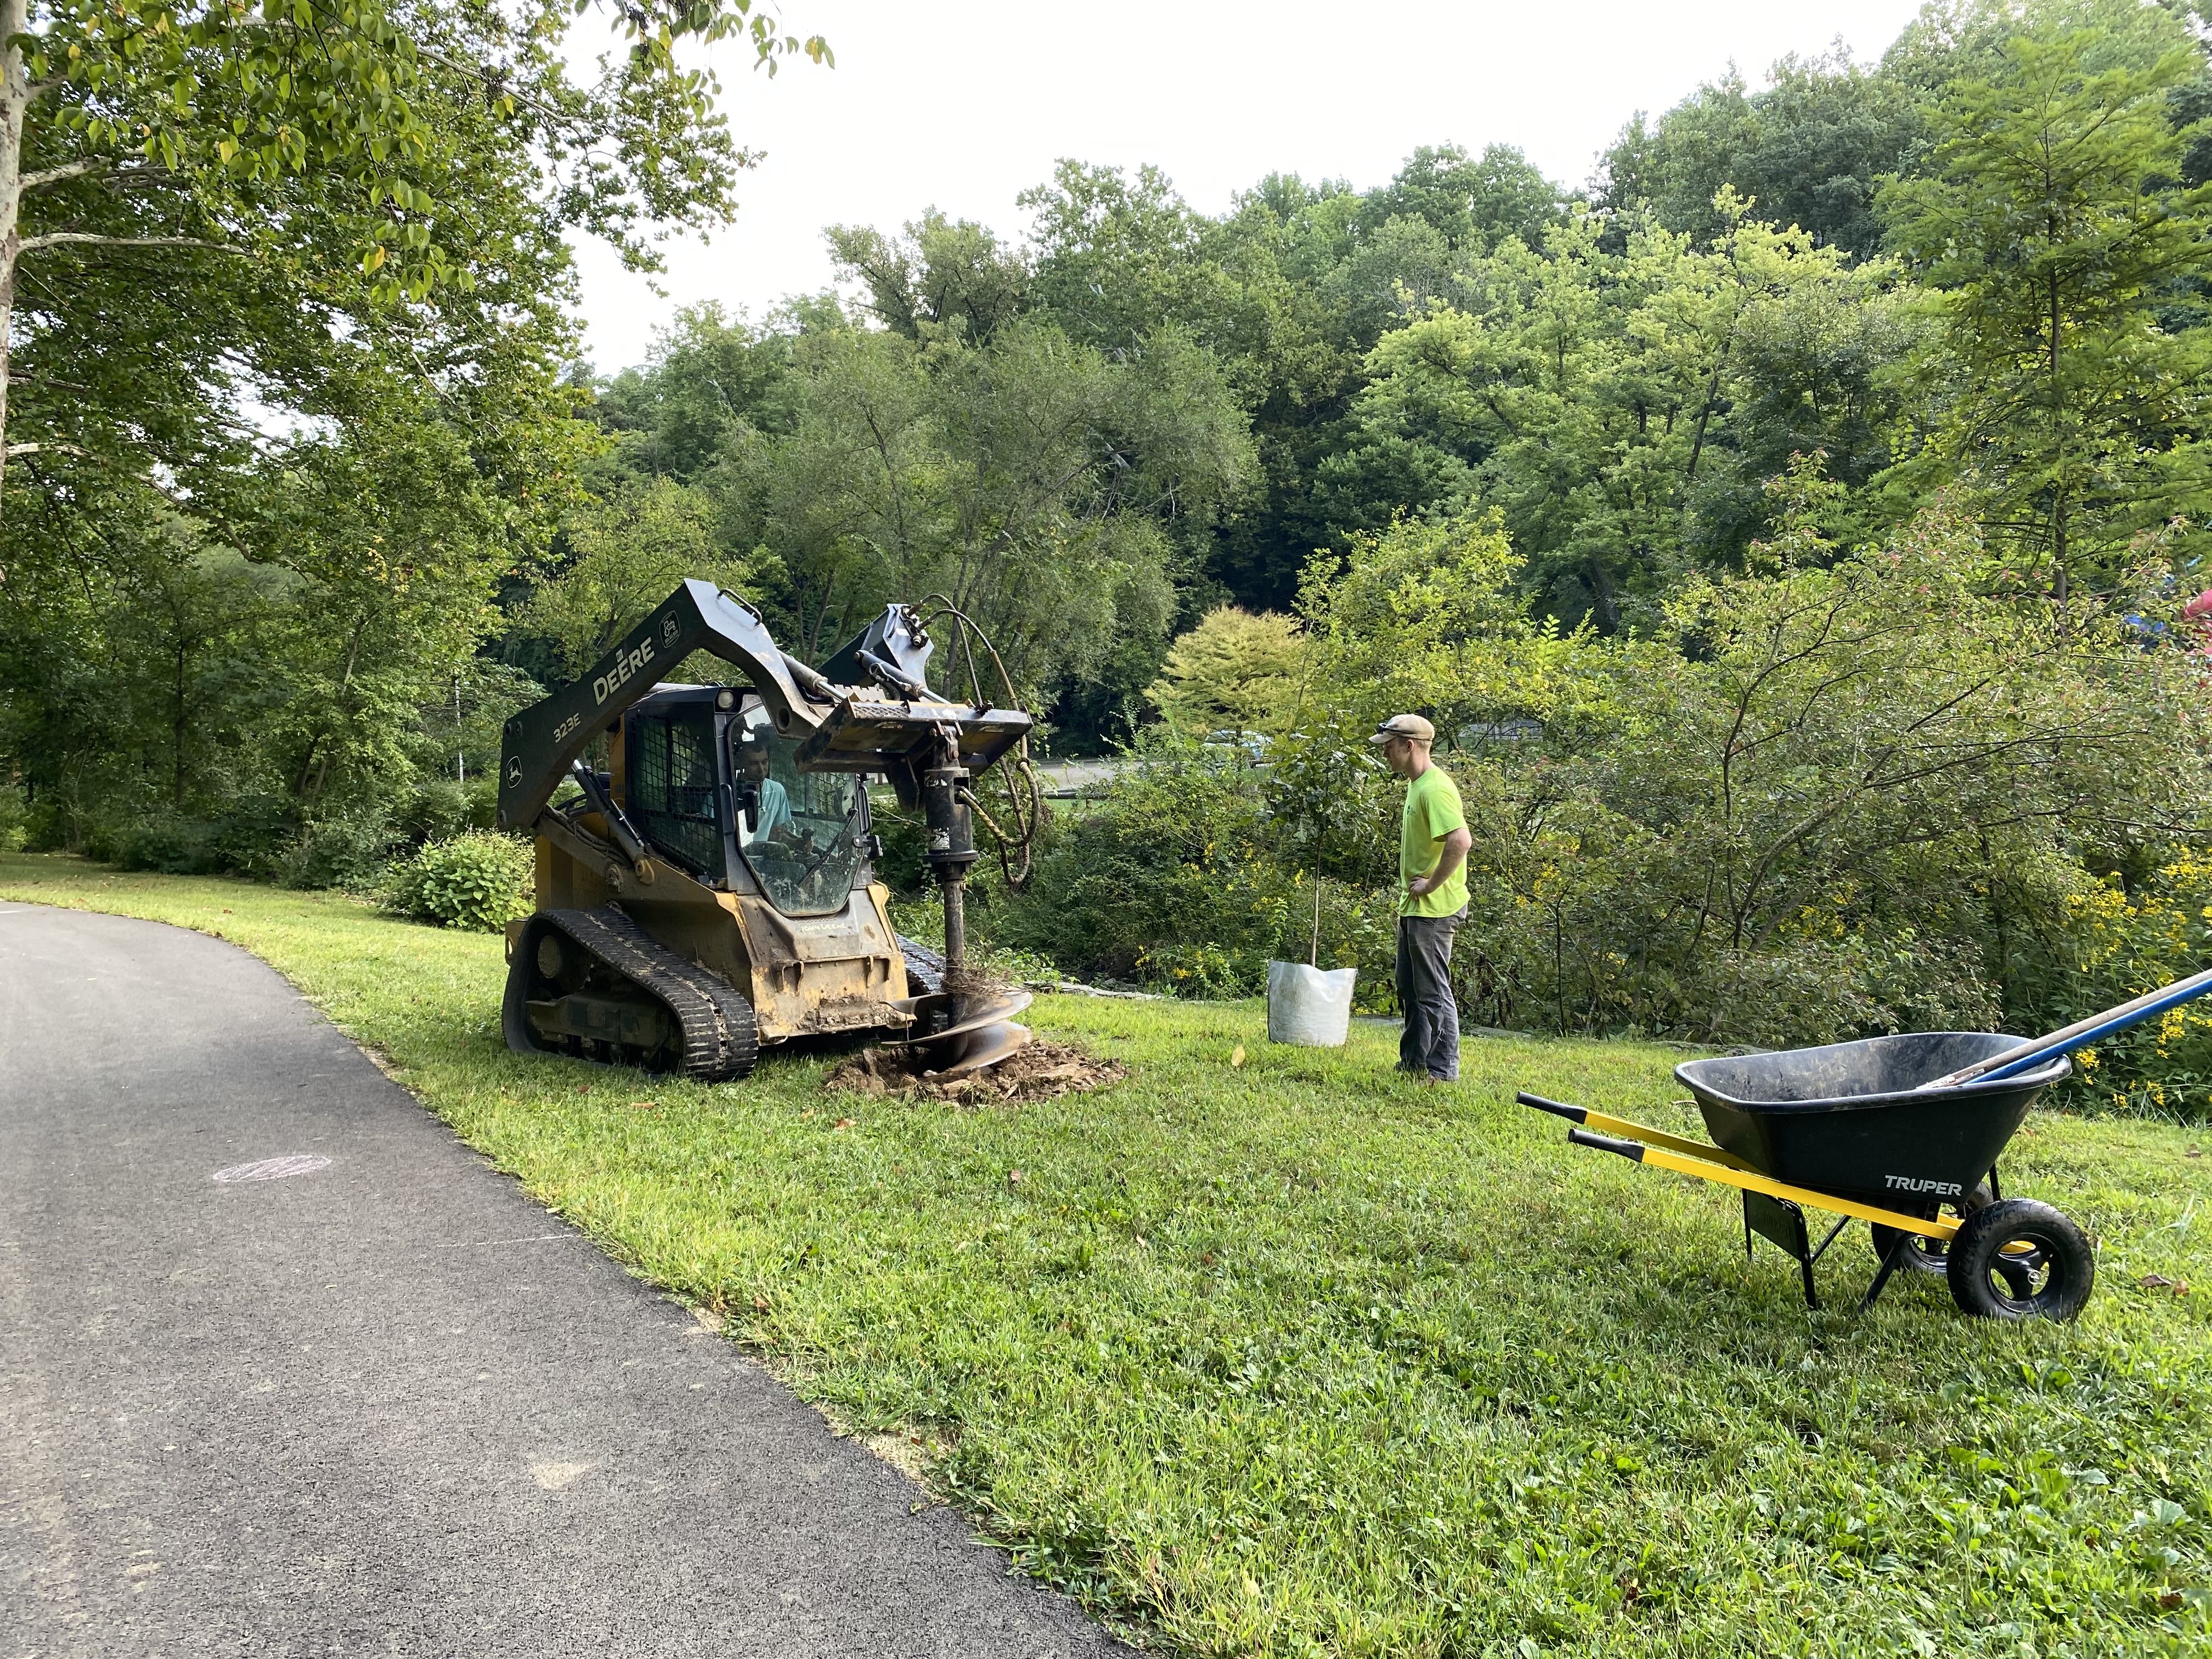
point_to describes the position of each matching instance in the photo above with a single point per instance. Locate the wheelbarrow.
(1903, 1132)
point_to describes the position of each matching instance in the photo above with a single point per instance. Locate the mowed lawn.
(1291, 1358)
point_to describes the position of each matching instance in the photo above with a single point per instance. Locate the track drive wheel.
(2020, 1259)
(1928, 1256)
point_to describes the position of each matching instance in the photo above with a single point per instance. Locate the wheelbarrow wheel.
(2020, 1259)
(1930, 1255)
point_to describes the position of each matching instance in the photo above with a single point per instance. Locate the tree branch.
(493, 83)
(31, 181)
(132, 178)
(87, 239)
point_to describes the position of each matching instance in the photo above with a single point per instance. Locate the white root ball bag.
(1309, 1007)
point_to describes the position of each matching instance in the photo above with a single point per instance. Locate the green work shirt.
(1432, 811)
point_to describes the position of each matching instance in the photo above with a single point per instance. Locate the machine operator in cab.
(771, 816)
(1432, 844)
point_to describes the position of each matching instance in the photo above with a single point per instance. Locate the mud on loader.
(713, 890)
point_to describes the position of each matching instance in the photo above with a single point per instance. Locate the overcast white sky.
(964, 105)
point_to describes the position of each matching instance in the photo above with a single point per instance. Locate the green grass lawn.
(1295, 1359)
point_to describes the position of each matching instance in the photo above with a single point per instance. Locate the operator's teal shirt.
(1432, 811)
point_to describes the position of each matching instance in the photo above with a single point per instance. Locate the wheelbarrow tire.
(1930, 1255)
(2047, 1275)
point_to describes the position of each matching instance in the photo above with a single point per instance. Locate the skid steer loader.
(712, 889)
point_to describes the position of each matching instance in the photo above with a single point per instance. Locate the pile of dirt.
(1043, 1071)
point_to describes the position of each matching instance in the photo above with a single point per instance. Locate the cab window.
(671, 794)
(801, 833)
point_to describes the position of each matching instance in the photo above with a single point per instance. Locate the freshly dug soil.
(1042, 1070)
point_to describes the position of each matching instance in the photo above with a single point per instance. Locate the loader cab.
(710, 784)
(803, 836)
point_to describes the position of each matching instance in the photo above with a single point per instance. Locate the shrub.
(173, 846)
(1172, 881)
(348, 853)
(1234, 671)
(480, 881)
(438, 808)
(252, 840)
(2119, 940)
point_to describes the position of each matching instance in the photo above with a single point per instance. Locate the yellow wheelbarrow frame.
(1772, 1209)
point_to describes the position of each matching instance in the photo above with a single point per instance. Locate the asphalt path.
(385, 1404)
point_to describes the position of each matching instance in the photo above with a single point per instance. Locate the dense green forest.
(1795, 526)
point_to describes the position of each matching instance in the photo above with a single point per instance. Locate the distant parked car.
(1487, 732)
(1254, 745)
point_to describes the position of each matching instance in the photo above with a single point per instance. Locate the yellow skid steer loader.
(712, 888)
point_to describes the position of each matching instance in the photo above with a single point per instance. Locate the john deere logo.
(515, 771)
(668, 630)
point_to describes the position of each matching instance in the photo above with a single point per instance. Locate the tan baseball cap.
(1405, 725)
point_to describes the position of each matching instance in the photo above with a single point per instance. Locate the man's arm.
(1447, 861)
(771, 816)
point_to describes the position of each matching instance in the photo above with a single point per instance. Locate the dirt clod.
(1042, 1070)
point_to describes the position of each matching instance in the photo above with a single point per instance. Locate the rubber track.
(923, 965)
(720, 1039)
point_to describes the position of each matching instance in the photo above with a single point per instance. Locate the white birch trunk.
(15, 113)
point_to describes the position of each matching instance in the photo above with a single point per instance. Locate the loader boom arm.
(541, 741)
(841, 728)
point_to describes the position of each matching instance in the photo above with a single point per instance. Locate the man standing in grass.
(1432, 843)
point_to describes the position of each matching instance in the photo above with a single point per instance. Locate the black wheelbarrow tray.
(1857, 1130)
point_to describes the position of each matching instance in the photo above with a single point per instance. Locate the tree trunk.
(1705, 415)
(306, 767)
(2058, 582)
(2058, 488)
(314, 790)
(14, 113)
(176, 727)
(1608, 603)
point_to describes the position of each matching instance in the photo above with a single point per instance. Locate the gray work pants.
(1430, 1043)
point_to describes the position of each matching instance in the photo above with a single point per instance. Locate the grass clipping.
(1039, 1071)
